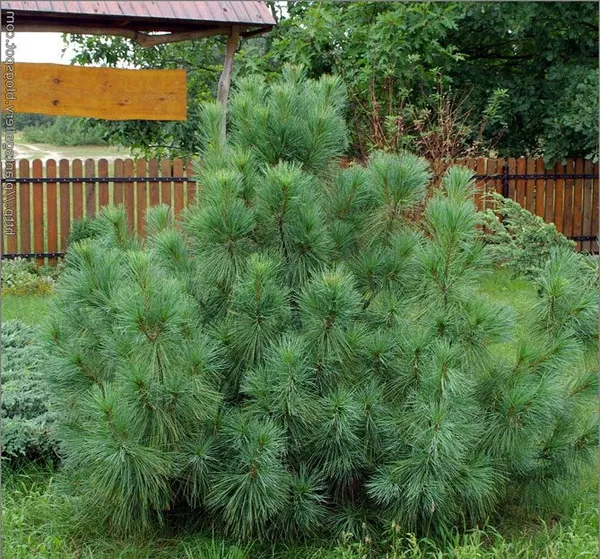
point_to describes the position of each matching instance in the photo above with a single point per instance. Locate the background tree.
(545, 56)
(519, 78)
(441, 79)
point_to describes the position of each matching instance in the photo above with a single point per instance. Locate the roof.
(142, 15)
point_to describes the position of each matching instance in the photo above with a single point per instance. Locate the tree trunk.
(225, 79)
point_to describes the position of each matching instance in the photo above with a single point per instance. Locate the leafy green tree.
(545, 56)
(571, 122)
(442, 79)
(65, 131)
(298, 358)
(390, 60)
(516, 77)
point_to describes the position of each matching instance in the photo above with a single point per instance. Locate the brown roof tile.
(250, 13)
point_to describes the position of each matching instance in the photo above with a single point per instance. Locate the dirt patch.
(46, 151)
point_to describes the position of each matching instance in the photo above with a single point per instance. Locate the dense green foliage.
(544, 55)
(38, 519)
(441, 79)
(22, 120)
(569, 128)
(23, 277)
(298, 359)
(523, 75)
(27, 422)
(85, 228)
(519, 239)
(65, 131)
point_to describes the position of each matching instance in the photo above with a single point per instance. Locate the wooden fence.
(565, 194)
(44, 209)
(45, 198)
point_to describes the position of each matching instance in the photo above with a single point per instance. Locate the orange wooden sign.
(105, 93)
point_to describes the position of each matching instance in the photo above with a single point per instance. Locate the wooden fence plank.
(129, 194)
(568, 211)
(24, 191)
(512, 183)
(588, 206)
(549, 199)
(141, 198)
(490, 185)
(154, 187)
(38, 209)
(64, 192)
(77, 171)
(191, 185)
(165, 190)
(51, 211)
(530, 186)
(578, 201)
(119, 171)
(595, 212)
(103, 187)
(10, 231)
(178, 188)
(540, 188)
(559, 198)
(481, 183)
(499, 171)
(90, 188)
(520, 187)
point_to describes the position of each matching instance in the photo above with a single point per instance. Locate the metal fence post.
(505, 179)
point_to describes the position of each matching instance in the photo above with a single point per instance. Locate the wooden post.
(225, 79)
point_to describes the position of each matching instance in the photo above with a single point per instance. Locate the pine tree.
(296, 357)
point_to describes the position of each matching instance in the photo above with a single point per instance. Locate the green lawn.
(29, 309)
(40, 521)
(503, 288)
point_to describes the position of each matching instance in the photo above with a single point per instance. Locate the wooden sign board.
(106, 93)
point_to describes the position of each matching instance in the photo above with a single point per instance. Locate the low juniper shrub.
(27, 421)
(518, 239)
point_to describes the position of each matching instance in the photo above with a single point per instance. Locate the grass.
(502, 287)
(29, 308)
(39, 520)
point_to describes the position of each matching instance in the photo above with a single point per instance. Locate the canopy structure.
(146, 22)
(141, 20)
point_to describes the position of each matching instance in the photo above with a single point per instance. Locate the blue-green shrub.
(520, 240)
(27, 421)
